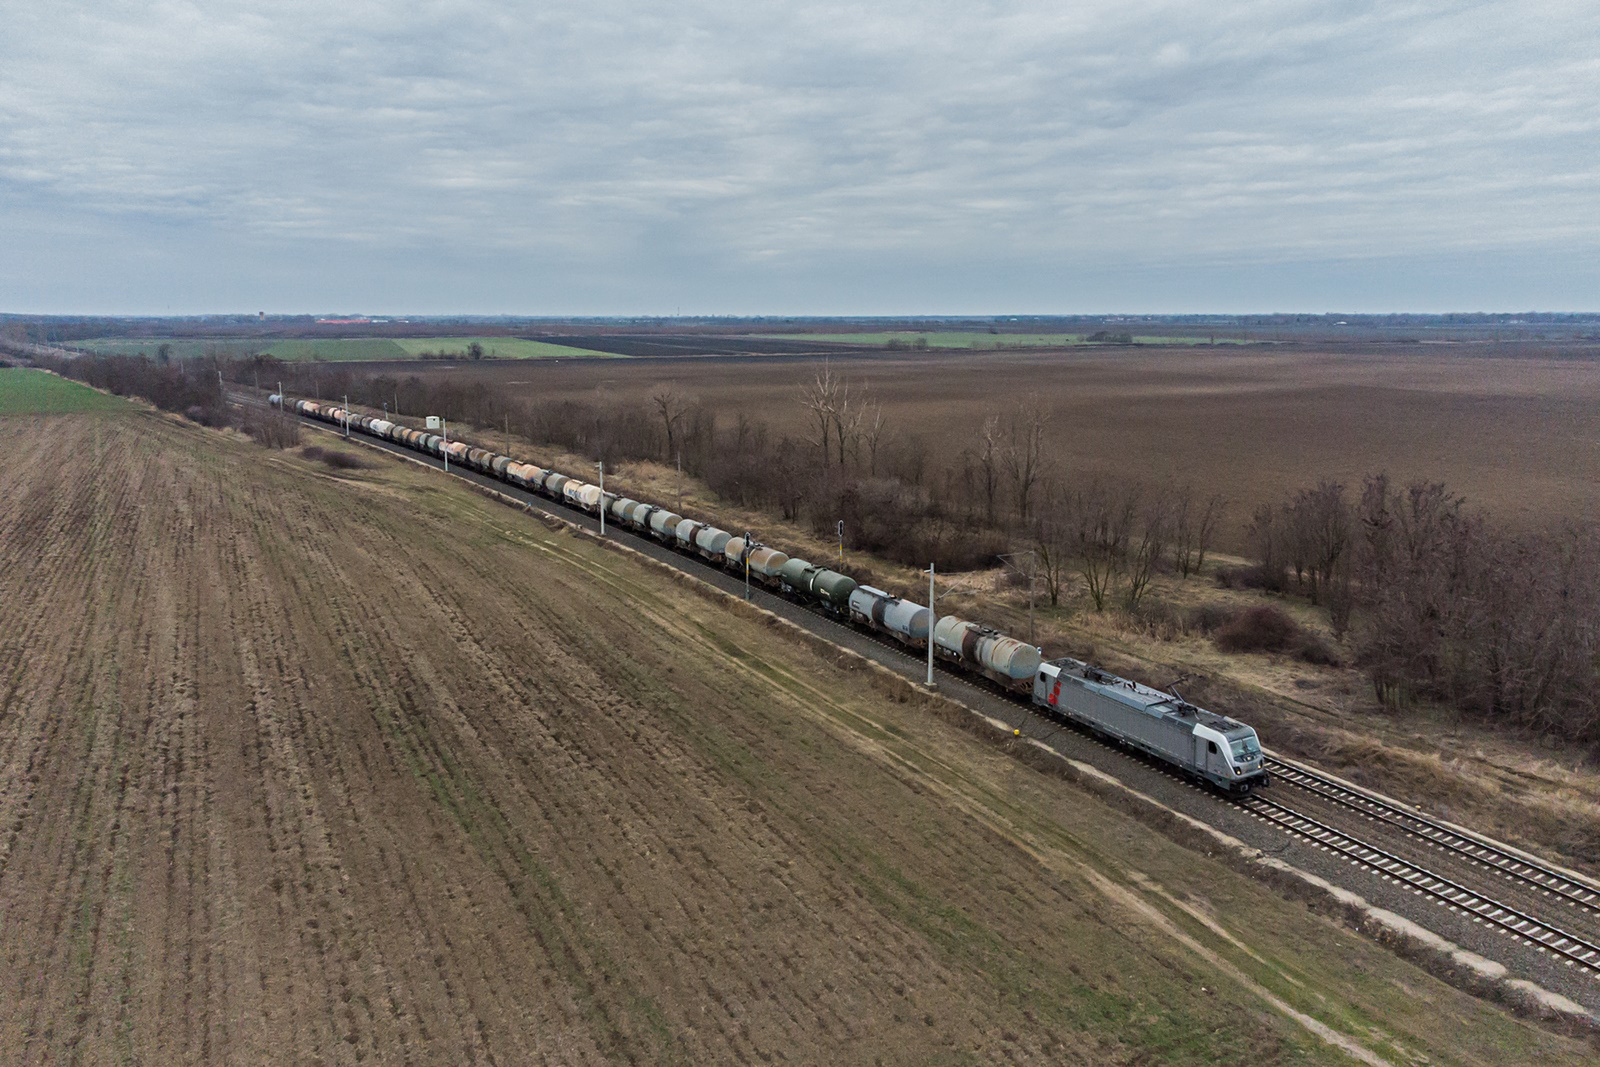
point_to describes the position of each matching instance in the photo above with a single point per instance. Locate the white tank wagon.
(639, 517)
(712, 543)
(686, 531)
(988, 652)
(904, 620)
(1203, 744)
(765, 563)
(620, 508)
(664, 525)
(582, 494)
(521, 474)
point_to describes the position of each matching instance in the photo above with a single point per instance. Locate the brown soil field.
(315, 767)
(1518, 435)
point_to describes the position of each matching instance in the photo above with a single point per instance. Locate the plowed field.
(305, 768)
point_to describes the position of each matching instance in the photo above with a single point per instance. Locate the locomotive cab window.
(1245, 748)
(1212, 745)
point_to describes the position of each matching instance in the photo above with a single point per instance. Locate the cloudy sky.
(625, 157)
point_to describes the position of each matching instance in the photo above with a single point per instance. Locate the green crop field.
(33, 392)
(500, 348)
(179, 349)
(340, 349)
(973, 339)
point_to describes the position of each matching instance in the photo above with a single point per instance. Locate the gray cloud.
(616, 156)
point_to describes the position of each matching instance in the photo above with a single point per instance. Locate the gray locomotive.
(1201, 743)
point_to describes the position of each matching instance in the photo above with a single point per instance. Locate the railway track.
(1573, 950)
(1514, 867)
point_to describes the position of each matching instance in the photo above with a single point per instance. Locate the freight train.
(1200, 744)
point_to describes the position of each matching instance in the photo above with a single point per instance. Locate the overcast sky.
(622, 157)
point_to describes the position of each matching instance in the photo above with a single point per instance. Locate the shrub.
(271, 430)
(339, 461)
(1268, 628)
(1263, 628)
(1257, 577)
(1208, 618)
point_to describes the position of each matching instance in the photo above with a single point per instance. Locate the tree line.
(1433, 601)
(849, 463)
(1437, 602)
(191, 388)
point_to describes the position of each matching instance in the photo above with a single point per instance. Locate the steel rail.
(1536, 932)
(1499, 860)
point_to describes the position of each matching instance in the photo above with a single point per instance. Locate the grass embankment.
(338, 766)
(343, 349)
(34, 392)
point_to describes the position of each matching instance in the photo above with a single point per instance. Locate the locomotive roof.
(1142, 696)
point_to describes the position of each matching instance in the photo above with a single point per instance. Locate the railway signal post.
(602, 466)
(933, 622)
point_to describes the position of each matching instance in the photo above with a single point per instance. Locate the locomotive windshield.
(1245, 747)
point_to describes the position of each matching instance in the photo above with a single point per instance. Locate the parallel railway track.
(1575, 951)
(1517, 868)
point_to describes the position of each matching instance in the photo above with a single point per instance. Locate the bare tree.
(1103, 516)
(874, 432)
(1194, 528)
(1266, 538)
(846, 423)
(1023, 454)
(990, 450)
(1318, 522)
(1145, 551)
(672, 406)
(821, 398)
(1051, 543)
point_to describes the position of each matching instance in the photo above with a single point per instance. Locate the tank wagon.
(981, 650)
(904, 620)
(1202, 744)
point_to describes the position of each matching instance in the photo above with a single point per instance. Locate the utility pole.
(508, 450)
(347, 415)
(444, 425)
(933, 620)
(602, 466)
(680, 480)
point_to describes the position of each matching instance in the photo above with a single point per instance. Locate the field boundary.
(1443, 959)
